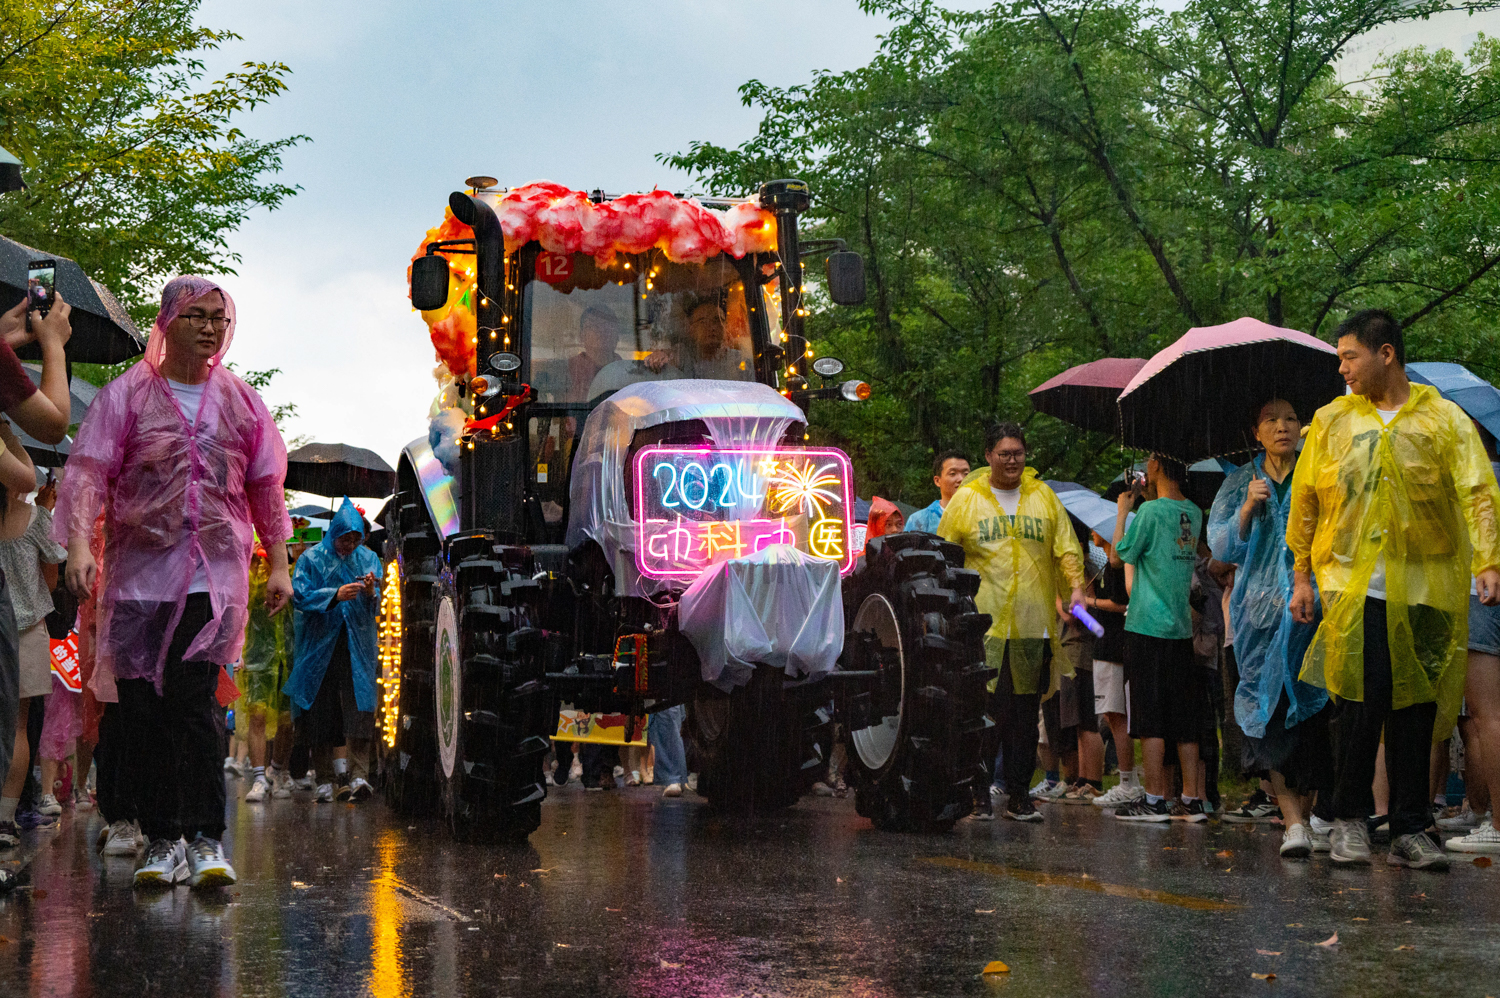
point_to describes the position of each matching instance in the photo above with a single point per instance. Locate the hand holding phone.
(41, 286)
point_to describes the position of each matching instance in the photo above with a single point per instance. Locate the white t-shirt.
(190, 399)
(1376, 589)
(1009, 499)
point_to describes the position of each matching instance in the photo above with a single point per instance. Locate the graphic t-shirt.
(1162, 543)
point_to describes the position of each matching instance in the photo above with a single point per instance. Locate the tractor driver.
(707, 352)
(600, 330)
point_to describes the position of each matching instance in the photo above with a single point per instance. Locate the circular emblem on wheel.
(448, 685)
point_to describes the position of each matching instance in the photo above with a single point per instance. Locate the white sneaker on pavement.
(361, 788)
(1120, 795)
(305, 782)
(1450, 819)
(122, 838)
(165, 865)
(281, 786)
(232, 766)
(207, 865)
(1049, 789)
(672, 790)
(259, 790)
(47, 804)
(1482, 839)
(81, 800)
(1296, 842)
(1317, 830)
(324, 794)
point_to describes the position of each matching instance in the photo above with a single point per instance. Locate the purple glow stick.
(1082, 616)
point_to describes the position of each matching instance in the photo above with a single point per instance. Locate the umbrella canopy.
(1087, 395)
(1198, 397)
(1084, 505)
(336, 470)
(1464, 388)
(310, 512)
(45, 455)
(102, 330)
(80, 393)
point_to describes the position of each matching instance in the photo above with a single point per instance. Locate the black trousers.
(1408, 740)
(171, 765)
(110, 784)
(1015, 717)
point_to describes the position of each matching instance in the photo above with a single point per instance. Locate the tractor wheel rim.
(876, 745)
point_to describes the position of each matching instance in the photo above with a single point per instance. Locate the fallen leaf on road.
(1358, 919)
(547, 870)
(500, 876)
(984, 911)
(1228, 868)
(839, 879)
(670, 966)
(1332, 940)
(299, 885)
(1168, 848)
(1398, 949)
(1264, 977)
(1224, 853)
(611, 909)
(563, 945)
(1420, 896)
(1483, 861)
(4, 941)
(1269, 952)
(995, 967)
(1294, 925)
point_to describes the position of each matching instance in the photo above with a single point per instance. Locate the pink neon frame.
(656, 452)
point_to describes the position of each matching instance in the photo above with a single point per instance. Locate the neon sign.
(698, 506)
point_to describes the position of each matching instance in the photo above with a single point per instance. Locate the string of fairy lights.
(390, 654)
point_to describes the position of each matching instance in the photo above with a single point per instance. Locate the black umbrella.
(311, 512)
(80, 393)
(1087, 396)
(1198, 397)
(336, 470)
(102, 330)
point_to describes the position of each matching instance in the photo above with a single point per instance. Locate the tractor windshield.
(594, 330)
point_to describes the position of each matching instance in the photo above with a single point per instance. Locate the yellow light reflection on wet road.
(386, 908)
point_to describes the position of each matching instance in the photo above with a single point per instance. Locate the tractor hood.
(737, 414)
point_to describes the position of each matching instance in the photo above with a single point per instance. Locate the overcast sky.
(402, 101)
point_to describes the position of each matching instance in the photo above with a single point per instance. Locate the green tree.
(1043, 183)
(136, 166)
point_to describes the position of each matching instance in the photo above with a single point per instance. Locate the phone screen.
(41, 285)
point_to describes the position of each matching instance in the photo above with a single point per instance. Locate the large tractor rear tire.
(910, 614)
(760, 748)
(493, 710)
(410, 774)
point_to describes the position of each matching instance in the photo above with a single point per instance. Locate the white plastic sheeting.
(778, 607)
(737, 414)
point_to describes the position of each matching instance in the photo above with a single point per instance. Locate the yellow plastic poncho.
(1421, 493)
(1024, 562)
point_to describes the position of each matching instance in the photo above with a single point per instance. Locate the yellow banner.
(599, 729)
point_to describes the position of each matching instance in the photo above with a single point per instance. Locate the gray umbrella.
(335, 470)
(80, 393)
(102, 330)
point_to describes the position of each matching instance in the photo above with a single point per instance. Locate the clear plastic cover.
(744, 414)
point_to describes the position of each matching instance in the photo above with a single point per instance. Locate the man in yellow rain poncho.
(1016, 534)
(1393, 507)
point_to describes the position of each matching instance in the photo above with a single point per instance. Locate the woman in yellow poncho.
(1393, 507)
(1016, 534)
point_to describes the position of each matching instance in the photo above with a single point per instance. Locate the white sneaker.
(307, 782)
(81, 800)
(165, 865)
(259, 790)
(360, 788)
(1296, 842)
(207, 865)
(1317, 831)
(1450, 819)
(281, 787)
(1120, 795)
(1485, 838)
(123, 838)
(672, 790)
(232, 766)
(575, 771)
(324, 794)
(47, 804)
(619, 771)
(1049, 789)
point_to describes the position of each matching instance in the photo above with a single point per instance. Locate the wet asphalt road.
(623, 893)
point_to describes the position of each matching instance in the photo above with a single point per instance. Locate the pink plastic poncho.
(173, 493)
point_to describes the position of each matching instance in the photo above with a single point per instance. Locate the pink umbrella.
(1086, 395)
(1199, 397)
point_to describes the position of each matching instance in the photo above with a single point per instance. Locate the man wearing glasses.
(186, 464)
(1016, 534)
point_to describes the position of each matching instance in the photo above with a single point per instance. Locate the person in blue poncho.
(333, 673)
(1283, 718)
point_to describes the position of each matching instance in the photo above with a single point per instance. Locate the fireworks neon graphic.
(807, 488)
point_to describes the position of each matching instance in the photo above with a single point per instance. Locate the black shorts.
(1165, 687)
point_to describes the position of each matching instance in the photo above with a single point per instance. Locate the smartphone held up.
(41, 285)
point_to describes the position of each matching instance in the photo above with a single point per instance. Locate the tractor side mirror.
(846, 278)
(429, 282)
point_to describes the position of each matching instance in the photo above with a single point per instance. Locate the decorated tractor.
(616, 510)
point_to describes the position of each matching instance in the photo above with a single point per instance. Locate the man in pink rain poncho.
(184, 460)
